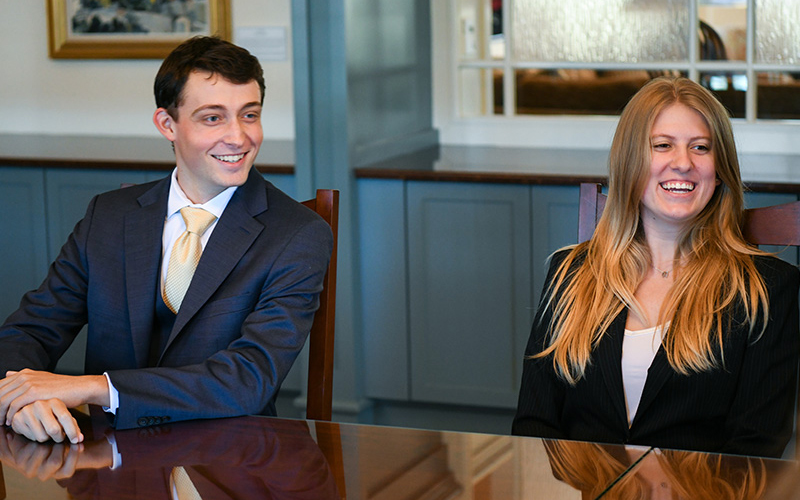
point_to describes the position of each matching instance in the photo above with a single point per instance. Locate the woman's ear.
(164, 123)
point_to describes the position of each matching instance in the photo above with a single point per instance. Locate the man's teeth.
(678, 186)
(229, 158)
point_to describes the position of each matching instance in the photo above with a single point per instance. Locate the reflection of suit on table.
(247, 457)
(242, 323)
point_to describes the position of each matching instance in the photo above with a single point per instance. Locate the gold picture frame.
(100, 29)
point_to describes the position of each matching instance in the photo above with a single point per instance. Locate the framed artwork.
(131, 29)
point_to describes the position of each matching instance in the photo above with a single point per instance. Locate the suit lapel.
(657, 375)
(232, 237)
(143, 232)
(609, 361)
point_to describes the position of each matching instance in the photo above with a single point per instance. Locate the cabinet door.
(23, 252)
(384, 292)
(469, 291)
(554, 222)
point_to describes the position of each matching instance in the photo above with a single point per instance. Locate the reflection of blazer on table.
(242, 323)
(745, 408)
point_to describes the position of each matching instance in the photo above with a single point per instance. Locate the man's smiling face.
(217, 133)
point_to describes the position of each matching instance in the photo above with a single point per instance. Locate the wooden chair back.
(773, 225)
(319, 403)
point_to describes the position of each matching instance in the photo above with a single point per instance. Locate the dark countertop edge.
(532, 179)
(478, 177)
(120, 165)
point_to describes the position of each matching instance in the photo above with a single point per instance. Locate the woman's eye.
(661, 145)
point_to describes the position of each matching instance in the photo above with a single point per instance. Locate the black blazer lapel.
(657, 375)
(143, 233)
(608, 356)
(232, 237)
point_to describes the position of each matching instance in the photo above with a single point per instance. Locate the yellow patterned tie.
(185, 256)
(182, 486)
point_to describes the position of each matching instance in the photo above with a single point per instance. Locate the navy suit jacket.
(744, 407)
(243, 321)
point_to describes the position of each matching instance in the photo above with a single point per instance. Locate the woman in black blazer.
(666, 328)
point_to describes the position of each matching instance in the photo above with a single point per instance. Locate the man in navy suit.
(226, 348)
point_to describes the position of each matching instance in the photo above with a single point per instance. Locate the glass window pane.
(723, 29)
(601, 30)
(729, 88)
(778, 96)
(777, 25)
(498, 43)
(576, 91)
(498, 89)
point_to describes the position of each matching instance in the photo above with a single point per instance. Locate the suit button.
(142, 421)
(156, 420)
(151, 420)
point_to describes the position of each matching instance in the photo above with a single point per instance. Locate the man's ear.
(164, 123)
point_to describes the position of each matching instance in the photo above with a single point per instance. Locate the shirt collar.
(178, 199)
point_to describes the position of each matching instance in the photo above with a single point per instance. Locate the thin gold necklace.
(664, 274)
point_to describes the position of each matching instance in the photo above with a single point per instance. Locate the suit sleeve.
(243, 377)
(541, 392)
(49, 318)
(760, 419)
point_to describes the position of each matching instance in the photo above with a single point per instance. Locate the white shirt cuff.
(113, 396)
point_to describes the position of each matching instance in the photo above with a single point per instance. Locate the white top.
(639, 348)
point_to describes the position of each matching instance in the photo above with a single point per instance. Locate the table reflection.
(273, 458)
(247, 457)
(654, 474)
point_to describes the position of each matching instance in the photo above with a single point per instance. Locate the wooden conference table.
(273, 458)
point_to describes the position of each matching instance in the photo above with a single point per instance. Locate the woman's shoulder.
(576, 251)
(775, 270)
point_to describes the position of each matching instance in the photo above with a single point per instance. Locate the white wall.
(39, 95)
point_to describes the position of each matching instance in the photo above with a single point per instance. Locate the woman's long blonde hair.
(599, 277)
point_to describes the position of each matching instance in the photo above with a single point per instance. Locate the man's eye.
(251, 116)
(212, 119)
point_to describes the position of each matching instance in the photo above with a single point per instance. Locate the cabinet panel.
(384, 292)
(469, 289)
(23, 253)
(554, 219)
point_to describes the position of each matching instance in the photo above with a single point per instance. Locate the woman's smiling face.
(682, 175)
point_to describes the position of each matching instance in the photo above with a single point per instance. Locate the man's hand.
(45, 420)
(53, 395)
